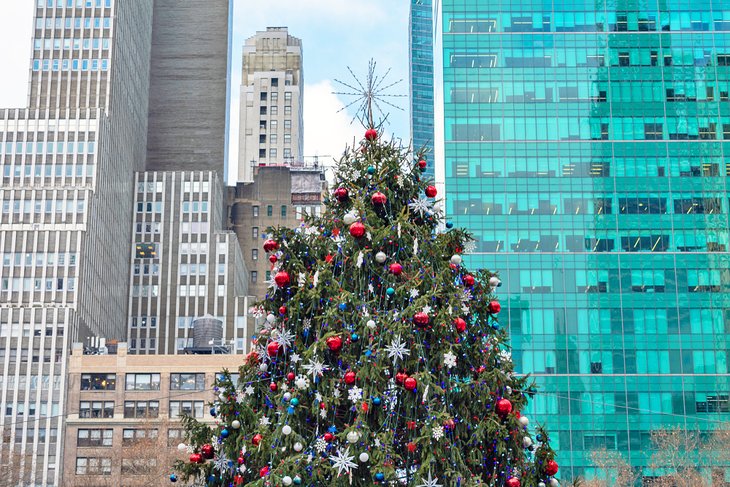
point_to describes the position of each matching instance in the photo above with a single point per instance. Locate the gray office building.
(68, 161)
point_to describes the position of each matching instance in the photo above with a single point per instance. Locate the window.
(93, 466)
(188, 408)
(96, 409)
(272, 153)
(132, 435)
(274, 82)
(145, 250)
(262, 153)
(142, 382)
(255, 212)
(255, 230)
(262, 110)
(274, 110)
(287, 138)
(98, 382)
(262, 124)
(254, 276)
(269, 210)
(254, 254)
(287, 124)
(174, 436)
(141, 409)
(287, 97)
(287, 110)
(283, 211)
(187, 382)
(94, 437)
(263, 96)
(262, 138)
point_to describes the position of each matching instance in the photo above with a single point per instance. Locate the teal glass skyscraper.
(421, 75)
(584, 143)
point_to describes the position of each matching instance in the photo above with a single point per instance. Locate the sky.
(335, 34)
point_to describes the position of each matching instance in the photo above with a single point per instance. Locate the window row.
(567, 204)
(598, 21)
(19, 148)
(73, 23)
(192, 381)
(31, 284)
(72, 3)
(49, 171)
(195, 206)
(269, 212)
(32, 412)
(145, 290)
(144, 321)
(70, 65)
(70, 43)
(148, 227)
(37, 207)
(93, 466)
(29, 259)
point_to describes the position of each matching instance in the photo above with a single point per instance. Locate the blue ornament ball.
(354, 337)
(449, 225)
(224, 433)
(377, 401)
(173, 478)
(390, 291)
(294, 401)
(297, 480)
(371, 170)
(213, 413)
(342, 306)
(380, 476)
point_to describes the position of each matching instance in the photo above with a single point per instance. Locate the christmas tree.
(380, 361)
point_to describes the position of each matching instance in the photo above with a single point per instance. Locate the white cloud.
(327, 130)
(15, 35)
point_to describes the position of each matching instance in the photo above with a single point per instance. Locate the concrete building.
(278, 196)
(271, 123)
(184, 263)
(67, 178)
(188, 86)
(122, 426)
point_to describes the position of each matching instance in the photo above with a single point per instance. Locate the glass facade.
(421, 76)
(584, 144)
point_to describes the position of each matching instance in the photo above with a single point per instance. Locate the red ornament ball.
(265, 471)
(350, 377)
(282, 310)
(411, 446)
(495, 307)
(334, 343)
(207, 451)
(512, 482)
(504, 407)
(421, 318)
(196, 458)
(378, 198)
(357, 229)
(290, 376)
(342, 194)
(273, 259)
(431, 191)
(273, 349)
(468, 280)
(422, 164)
(396, 268)
(449, 424)
(551, 467)
(371, 134)
(460, 325)
(328, 437)
(256, 440)
(400, 377)
(410, 384)
(282, 279)
(270, 245)
(240, 460)
(273, 387)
